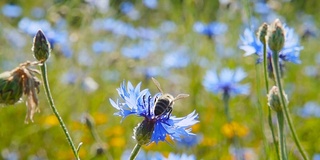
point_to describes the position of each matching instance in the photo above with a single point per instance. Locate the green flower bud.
(276, 36)
(41, 47)
(262, 32)
(11, 88)
(143, 132)
(274, 99)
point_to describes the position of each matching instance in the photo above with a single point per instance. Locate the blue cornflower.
(227, 82)
(153, 128)
(11, 10)
(211, 29)
(290, 52)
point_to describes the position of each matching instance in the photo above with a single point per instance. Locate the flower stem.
(281, 136)
(135, 151)
(226, 98)
(43, 69)
(277, 75)
(265, 71)
(235, 141)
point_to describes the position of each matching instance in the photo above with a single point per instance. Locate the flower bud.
(274, 99)
(262, 32)
(41, 47)
(276, 36)
(143, 132)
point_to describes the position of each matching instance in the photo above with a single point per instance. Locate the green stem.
(277, 75)
(235, 140)
(265, 71)
(135, 151)
(43, 68)
(226, 106)
(281, 135)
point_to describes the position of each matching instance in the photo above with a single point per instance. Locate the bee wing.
(157, 84)
(180, 96)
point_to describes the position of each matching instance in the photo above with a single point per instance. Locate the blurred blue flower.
(262, 8)
(9, 155)
(152, 4)
(110, 75)
(141, 103)
(101, 5)
(212, 29)
(311, 71)
(184, 156)
(140, 50)
(85, 58)
(316, 156)
(114, 26)
(11, 10)
(168, 27)
(227, 82)
(290, 52)
(89, 85)
(149, 71)
(38, 12)
(59, 37)
(147, 33)
(15, 38)
(128, 9)
(142, 155)
(69, 77)
(310, 109)
(103, 46)
(190, 141)
(308, 27)
(243, 153)
(179, 58)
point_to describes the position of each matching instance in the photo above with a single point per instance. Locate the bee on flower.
(154, 127)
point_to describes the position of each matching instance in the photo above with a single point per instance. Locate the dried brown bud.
(19, 81)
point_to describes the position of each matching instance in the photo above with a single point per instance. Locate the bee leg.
(169, 112)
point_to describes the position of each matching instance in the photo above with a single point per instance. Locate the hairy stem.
(43, 68)
(277, 75)
(265, 71)
(282, 142)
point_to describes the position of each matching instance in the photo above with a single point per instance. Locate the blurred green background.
(98, 44)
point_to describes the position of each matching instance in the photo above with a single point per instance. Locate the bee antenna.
(157, 84)
(181, 96)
